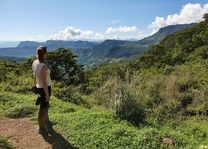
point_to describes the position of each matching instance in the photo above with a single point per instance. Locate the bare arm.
(44, 81)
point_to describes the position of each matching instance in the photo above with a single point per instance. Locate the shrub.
(185, 100)
(128, 108)
(67, 93)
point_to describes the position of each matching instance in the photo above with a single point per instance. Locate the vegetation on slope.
(160, 96)
(98, 128)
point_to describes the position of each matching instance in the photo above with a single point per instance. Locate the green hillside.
(158, 100)
(162, 33)
(179, 48)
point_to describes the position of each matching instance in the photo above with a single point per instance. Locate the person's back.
(37, 67)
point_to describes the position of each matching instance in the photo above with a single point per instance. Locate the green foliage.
(64, 68)
(17, 105)
(127, 107)
(4, 144)
(6, 67)
(97, 128)
(96, 77)
(199, 53)
(177, 48)
(166, 88)
(68, 93)
(166, 93)
(21, 111)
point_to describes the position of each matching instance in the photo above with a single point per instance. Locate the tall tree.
(64, 67)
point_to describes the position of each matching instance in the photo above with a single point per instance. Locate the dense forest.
(136, 103)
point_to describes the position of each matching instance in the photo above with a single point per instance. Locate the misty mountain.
(124, 49)
(116, 49)
(163, 32)
(25, 44)
(92, 52)
(53, 44)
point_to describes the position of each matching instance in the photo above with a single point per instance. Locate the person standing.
(43, 84)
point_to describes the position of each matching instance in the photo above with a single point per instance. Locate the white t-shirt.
(37, 67)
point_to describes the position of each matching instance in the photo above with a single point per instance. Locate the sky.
(41, 20)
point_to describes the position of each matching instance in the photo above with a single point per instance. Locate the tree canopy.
(178, 48)
(63, 66)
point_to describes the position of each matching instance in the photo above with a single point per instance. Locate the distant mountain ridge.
(23, 44)
(182, 47)
(92, 52)
(163, 32)
(51, 44)
(123, 49)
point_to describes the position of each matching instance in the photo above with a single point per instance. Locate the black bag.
(38, 101)
(34, 89)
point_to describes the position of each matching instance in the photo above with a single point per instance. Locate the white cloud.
(190, 13)
(72, 33)
(99, 36)
(122, 29)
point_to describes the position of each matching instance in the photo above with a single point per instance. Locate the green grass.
(17, 105)
(4, 144)
(98, 128)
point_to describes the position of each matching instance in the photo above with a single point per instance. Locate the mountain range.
(94, 52)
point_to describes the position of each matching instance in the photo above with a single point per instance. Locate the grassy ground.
(4, 144)
(97, 127)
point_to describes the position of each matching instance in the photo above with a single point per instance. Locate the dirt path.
(23, 134)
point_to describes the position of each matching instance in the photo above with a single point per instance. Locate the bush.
(67, 93)
(128, 108)
(186, 99)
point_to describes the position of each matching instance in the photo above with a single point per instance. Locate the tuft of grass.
(21, 111)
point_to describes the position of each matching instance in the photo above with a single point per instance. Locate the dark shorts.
(41, 92)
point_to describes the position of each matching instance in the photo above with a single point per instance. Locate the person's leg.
(48, 106)
(41, 110)
(43, 113)
(48, 123)
(46, 115)
(41, 119)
